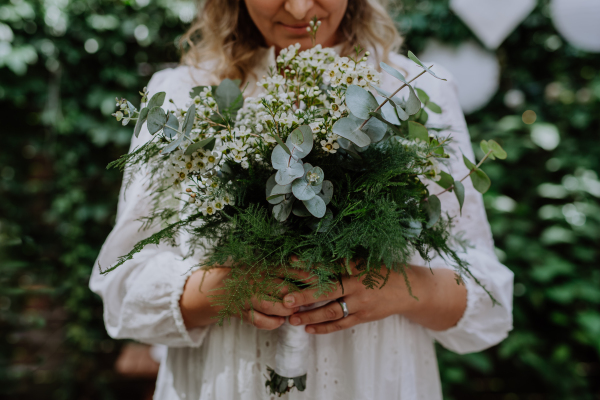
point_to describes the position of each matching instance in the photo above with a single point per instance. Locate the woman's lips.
(299, 29)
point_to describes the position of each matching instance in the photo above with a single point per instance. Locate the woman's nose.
(298, 8)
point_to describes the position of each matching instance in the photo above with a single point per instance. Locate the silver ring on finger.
(344, 306)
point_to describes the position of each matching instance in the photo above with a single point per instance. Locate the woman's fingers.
(262, 321)
(329, 312)
(305, 297)
(334, 326)
(272, 307)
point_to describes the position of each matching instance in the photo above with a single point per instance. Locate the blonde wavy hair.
(224, 33)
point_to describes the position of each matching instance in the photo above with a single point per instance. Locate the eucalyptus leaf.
(485, 148)
(459, 190)
(388, 112)
(360, 102)
(423, 117)
(171, 127)
(281, 189)
(327, 191)
(433, 207)
(188, 122)
(420, 64)
(417, 131)
(305, 132)
(349, 128)
(302, 189)
(316, 206)
(414, 228)
(424, 97)
(375, 129)
(498, 151)
(208, 144)
(434, 107)
(270, 185)
(393, 72)
(228, 96)
(283, 145)
(141, 119)
(157, 100)
(446, 180)
(391, 126)
(289, 174)
(276, 198)
(280, 159)
(282, 211)
(173, 145)
(481, 182)
(413, 104)
(395, 102)
(300, 210)
(157, 118)
(319, 174)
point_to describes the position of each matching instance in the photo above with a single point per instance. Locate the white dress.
(393, 358)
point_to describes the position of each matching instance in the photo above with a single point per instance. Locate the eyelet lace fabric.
(389, 359)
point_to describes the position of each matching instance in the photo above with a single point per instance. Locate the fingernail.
(310, 330)
(295, 321)
(289, 300)
(296, 309)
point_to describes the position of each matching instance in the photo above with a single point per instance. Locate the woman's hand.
(197, 310)
(440, 305)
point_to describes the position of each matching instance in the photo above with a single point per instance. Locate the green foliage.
(58, 203)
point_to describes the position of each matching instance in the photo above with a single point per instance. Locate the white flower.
(330, 146)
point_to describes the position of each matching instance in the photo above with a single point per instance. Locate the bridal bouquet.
(315, 166)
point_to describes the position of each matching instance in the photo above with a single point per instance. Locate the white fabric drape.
(390, 359)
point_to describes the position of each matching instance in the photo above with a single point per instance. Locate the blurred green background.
(62, 62)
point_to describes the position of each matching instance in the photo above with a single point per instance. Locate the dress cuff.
(192, 337)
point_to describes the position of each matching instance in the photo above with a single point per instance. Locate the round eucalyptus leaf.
(307, 167)
(360, 101)
(433, 207)
(229, 96)
(413, 104)
(173, 145)
(375, 129)
(389, 112)
(414, 228)
(316, 206)
(157, 118)
(497, 150)
(270, 185)
(300, 210)
(302, 189)
(481, 182)
(171, 127)
(280, 159)
(289, 174)
(276, 198)
(141, 119)
(157, 100)
(315, 176)
(327, 191)
(282, 211)
(422, 96)
(349, 128)
(307, 141)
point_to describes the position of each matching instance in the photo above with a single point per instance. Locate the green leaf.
(282, 211)
(420, 64)
(302, 189)
(228, 96)
(481, 182)
(388, 111)
(141, 119)
(157, 100)
(393, 72)
(157, 118)
(434, 107)
(188, 122)
(327, 190)
(417, 131)
(276, 198)
(171, 127)
(208, 144)
(306, 145)
(320, 175)
(300, 210)
(288, 175)
(349, 128)
(278, 193)
(375, 130)
(446, 180)
(316, 206)
(360, 102)
(270, 185)
(414, 228)
(390, 125)
(400, 113)
(497, 150)
(422, 96)
(423, 117)
(196, 90)
(459, 190)
(280, 159)
(413, 104)
(283, 145)
(433, 207)
(173, 145)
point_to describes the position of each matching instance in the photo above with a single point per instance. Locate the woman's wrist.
(440, 301)
(195, 304)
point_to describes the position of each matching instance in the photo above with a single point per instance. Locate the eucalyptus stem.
(469, 174)
(392, 95)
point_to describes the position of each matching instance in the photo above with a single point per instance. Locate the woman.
(384, 348)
